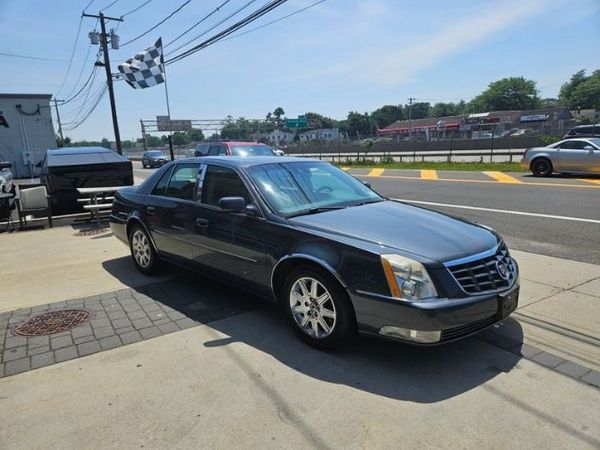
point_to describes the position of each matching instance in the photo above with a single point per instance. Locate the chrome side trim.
(471, 258)
(320, 262)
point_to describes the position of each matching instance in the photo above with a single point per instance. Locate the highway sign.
(300, 122)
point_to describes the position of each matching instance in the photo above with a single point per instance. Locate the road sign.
(300, 122)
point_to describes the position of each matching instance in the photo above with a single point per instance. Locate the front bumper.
(525, 163)
(434, 321)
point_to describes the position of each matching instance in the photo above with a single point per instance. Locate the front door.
(230, 243)
(575, 157)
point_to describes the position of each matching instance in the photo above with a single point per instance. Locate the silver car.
(566, 156)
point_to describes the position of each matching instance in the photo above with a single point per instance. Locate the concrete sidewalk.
(247, 381)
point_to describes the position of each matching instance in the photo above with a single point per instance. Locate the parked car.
(566, 156)
(584, 131)
(233, 148)
(337, 256)
(154, 158)
(6, 178)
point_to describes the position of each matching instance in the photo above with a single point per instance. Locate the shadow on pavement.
(389, 369)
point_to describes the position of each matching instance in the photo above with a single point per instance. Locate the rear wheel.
(541, 167)
(144, 256)
(318, 308)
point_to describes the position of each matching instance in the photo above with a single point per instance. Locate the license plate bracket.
(507, 303)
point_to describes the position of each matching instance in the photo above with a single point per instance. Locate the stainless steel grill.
(488, 272)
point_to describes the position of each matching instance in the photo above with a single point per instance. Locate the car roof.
(246, 161)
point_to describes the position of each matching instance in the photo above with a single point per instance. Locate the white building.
(275, 137)
(26, 131)
(322, 134)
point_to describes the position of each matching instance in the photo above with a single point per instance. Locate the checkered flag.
(145, 69)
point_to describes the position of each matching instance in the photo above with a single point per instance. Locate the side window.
(183, 181)
(222, 150)
(222, 182)
(161, 186)
(573, 145)
(213, 150)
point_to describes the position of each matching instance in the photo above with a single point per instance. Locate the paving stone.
(161, 321)
(176, 315)
(572, 369)
(65, 354)
(14, 341)
(168, 327)
(131, 337)
(81, 331)
(45, 359)
(100, 323)
(121, 323)
(88, 348)
(38, 341)
(142, 323)
(16, 366)
(125, 330)
(547, 359)
(151, 332)
(592, 377)
(40, 308)
(135, 315)
(186, 323)
(119, 314)
(528, 351)
(100, 315)
(131, 307)
(83, 339)
(60, 342)
(103, 332)
(1, 370)
(14, 353)
(38, 350)
(110, 342)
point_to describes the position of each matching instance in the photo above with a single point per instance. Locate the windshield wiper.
(320, 209)
(366, 202)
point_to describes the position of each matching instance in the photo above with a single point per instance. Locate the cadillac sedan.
(567, 156)
(337, 256)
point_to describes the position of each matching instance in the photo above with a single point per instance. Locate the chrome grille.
(484, 273)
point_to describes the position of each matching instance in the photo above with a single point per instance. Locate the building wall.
(324, 134)
(26, 132)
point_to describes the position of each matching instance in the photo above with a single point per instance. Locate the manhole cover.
(53, 322)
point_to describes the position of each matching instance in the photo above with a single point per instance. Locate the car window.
(183, 181)
(222, 182)
(161, 186)
(251, 150)
(216, 150)
(573, 145)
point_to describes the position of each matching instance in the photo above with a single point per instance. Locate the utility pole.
(109, 80)
(143, 134)
(410, 103)
(62, 138)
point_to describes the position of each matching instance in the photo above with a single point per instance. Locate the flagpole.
(168, 108)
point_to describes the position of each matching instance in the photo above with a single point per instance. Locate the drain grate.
(92, 231)
(53, 322)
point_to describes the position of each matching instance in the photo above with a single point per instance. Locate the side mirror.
(233, 204)
(588, 147)
(367, 184)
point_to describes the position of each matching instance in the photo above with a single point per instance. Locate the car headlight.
(407, 278)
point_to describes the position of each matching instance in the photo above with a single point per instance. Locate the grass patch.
(477, 166)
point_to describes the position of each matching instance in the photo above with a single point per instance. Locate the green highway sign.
(300, 122)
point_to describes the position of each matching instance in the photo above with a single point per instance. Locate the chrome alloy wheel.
(141, 249)
(312, 307)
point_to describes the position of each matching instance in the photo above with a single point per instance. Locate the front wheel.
(319, 309)
(144, 256)
(541, 167)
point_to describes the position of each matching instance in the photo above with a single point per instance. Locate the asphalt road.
(558, 216)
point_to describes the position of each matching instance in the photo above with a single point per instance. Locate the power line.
(238, 25)
(40, 58)
(106, 7)
(62, 85)
(91, 110)
(198, 23)
(298, 11)
(211, 28)
(90, 79)
(157, 25)
(136, 9)
(88, 5)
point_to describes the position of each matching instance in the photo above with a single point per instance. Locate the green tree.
(316, 121)
(105, 143)
(387, 115)
(507, 94)
(418, 110)
(181, 138)
(359, 124)
(196, 135)
(154, 141)
(550, 102)
(447, 109)
(581, 91)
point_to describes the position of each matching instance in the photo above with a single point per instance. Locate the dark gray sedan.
(567, 156)
(336, 255)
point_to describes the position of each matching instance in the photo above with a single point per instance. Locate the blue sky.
(339, 56)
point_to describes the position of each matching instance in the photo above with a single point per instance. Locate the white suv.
(6, 177)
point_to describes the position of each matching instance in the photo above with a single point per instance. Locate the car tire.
(321, 314)
(143, 164)
(542, 167)
(144, 256)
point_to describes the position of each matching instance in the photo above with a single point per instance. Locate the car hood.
(425, 235)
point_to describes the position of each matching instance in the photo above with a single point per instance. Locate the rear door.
(229, 243)
(169, 211)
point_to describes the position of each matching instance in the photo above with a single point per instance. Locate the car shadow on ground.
(389, 369)
(565, 176)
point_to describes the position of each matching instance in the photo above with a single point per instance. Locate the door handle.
(151, 210)
(202, 223)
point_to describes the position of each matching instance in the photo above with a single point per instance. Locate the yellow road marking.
(589, 180)
(375, 172)
(345, 168)
(578, 186)
(502, 177)
(429, 174)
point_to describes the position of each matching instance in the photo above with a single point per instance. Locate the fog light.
(424, 337)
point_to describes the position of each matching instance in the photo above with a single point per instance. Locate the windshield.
(251, 150)
(595, 141)
(155, 153)
(298, 188)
